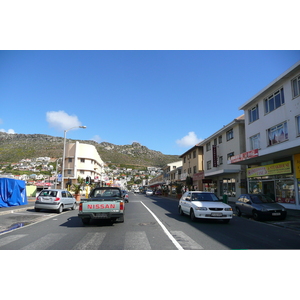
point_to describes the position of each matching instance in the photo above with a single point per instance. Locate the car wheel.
(60, 209)
(238, 212)
(255, 215)
(74, 206)
(181, 211)
(85, 221)
(192, 215)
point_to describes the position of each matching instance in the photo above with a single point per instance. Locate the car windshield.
(204, 197)
(106, 193)
(258, 199)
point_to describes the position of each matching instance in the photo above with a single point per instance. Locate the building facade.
(272, 136)
(82, 160)
(220, 176)
(192, 166)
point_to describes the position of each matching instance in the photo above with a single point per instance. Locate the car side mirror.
(188, 198)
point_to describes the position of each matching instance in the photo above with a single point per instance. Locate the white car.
(204, 205)
(149, 192)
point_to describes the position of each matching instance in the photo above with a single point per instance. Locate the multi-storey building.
(220, 176)
(272, 135)
(192, 166)
(82, 160)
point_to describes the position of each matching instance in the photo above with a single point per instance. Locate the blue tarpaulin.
(12, 192)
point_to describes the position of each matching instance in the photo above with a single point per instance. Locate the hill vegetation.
(14, 147)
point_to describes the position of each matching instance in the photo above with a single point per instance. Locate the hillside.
(14, 147)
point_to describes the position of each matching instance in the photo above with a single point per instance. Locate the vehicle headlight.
(228, 209)
(201, 208)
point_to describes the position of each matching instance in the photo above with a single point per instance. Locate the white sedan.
(204, 205)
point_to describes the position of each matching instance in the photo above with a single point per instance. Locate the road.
(151, 223)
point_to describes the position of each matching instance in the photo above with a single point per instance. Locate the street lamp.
(64, 154)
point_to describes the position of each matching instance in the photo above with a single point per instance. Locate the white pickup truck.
(103, 203)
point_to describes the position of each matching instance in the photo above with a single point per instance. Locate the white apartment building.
(272, 135)
(220, 176)
(82, 160)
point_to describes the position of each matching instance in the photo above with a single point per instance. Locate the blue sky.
(165, 100)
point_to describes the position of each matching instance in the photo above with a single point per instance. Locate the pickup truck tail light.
(121, 205)
(80, 206)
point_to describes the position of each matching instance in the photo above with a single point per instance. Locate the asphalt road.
(151, 223)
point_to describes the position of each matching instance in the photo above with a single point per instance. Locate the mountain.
(14, 147)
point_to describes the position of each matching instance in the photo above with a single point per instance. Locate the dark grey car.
(259, 206)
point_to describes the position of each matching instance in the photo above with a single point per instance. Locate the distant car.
(136, 191)
(204, 205)
(125, 196)
(149, 192)
(158, 192)
(259, 206)
(54, 199)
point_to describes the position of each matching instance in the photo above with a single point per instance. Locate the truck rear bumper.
(99, 216)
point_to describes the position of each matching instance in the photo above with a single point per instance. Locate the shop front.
(278, 181)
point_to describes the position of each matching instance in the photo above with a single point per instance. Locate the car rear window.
(48, 193)
(106, 193)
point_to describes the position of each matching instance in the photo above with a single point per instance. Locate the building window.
(220, 160)
(82, 160)
(208, 146)
(194, 170)
(298, 124)
(229, 155)
(184, 159)
(229, 135)
(70, 160)
(209, 165)
(255, 142)
(296, 86)
(277, 134)
(194, 154)
(274, 101)
(253, 114)
(215, 142)
(220, 139)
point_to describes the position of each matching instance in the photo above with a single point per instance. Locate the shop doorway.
(268, 188)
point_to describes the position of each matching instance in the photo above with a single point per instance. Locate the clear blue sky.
(165, 100)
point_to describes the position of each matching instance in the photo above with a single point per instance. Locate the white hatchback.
(204, 205)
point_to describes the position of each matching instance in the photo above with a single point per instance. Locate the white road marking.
(177, 245)
(10, 239)
(44, 242)
(185, 241)
(91, 241)
(136, 240)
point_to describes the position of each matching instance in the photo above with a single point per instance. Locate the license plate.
(216, 215)
(102, 216)
(276, 214)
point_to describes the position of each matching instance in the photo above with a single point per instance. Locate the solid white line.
(178, 246)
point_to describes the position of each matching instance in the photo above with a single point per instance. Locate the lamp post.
(64, 154)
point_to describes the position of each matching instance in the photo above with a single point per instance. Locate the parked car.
(158, 192)
(54, 199)
(125, 196)
(259, 206)
(136, 191)
(204, 205)
(149, 192)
